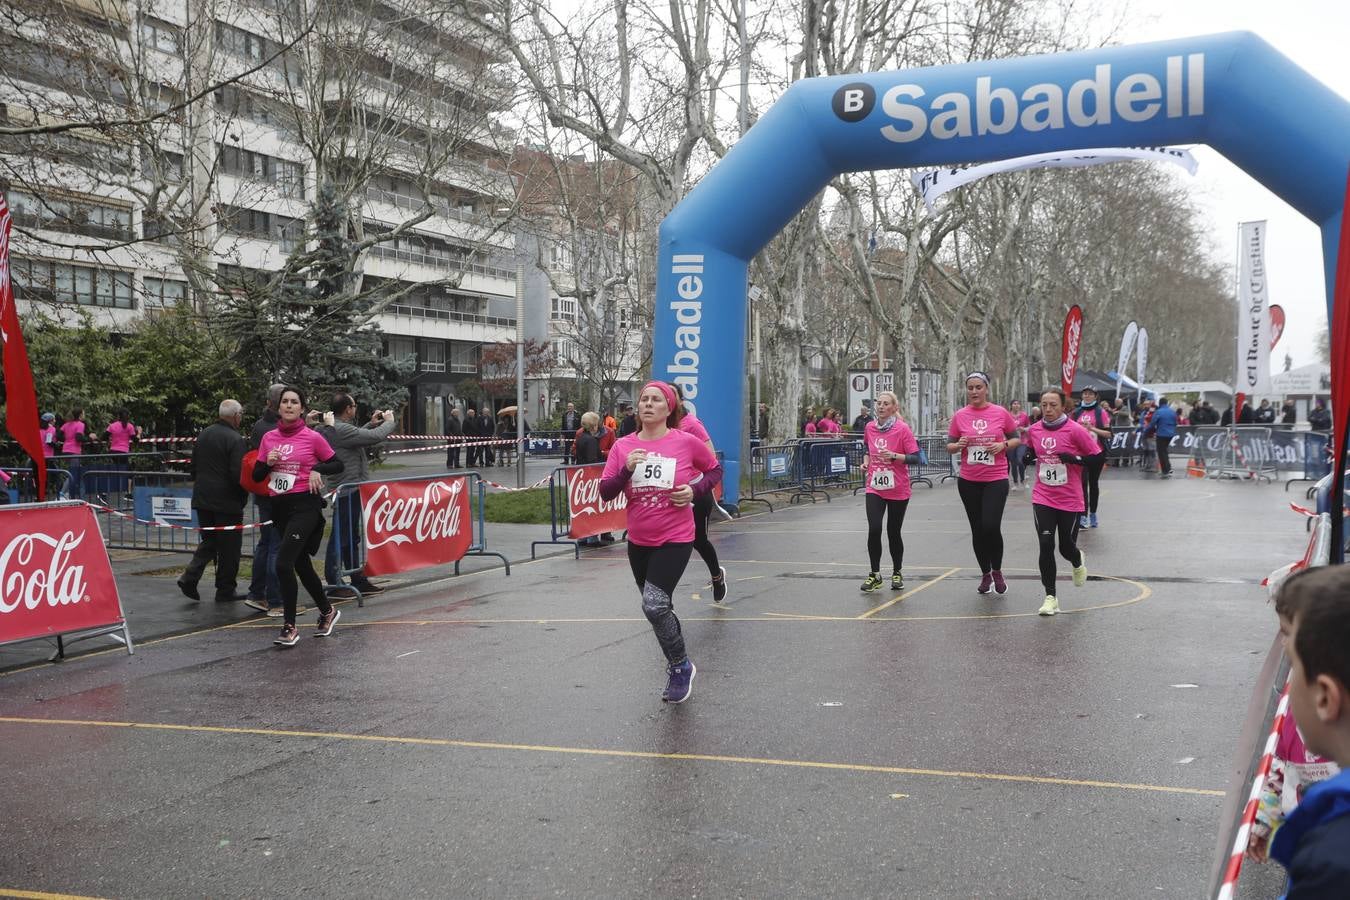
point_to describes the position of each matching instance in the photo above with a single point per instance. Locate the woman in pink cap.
(983, 433)
(657, 469)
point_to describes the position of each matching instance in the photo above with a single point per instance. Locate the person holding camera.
(351, 443)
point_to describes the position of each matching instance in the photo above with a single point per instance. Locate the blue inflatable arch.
(1232, 91)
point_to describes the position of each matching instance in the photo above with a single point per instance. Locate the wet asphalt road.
(490, 736)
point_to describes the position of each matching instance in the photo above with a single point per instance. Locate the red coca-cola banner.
(1073, 341)
(414, 524)
(55, 576)
(590, 514)
(1276, 324)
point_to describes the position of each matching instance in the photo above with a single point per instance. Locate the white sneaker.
(1050, 607)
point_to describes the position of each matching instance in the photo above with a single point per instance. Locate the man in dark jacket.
(471, 448)
(218, 499)
(487, 430)
(628, 424)
(1265, 413)
(1288, 413)
(1319, 417)
(571, 421)
(454, 433)
(264, 592)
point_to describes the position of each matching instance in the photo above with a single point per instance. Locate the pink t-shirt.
(70, 444)
(981, 428)
(299, 453)
(895, 473)
(1022, 421)
(49, 441)
(827, 426)
(1059, 485)
(691, 425)
(1092, 418)
(119, 437)
(810, 428)
(672, 460)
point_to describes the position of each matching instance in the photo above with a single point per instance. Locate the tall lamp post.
(520, 372)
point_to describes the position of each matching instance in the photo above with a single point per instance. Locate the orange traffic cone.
(1195, 468)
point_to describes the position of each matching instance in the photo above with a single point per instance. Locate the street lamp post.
(520, 372)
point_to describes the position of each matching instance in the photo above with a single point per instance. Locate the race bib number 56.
(980, 455)
(655, 472)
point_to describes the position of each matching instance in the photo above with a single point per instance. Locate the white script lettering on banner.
(583, 496)
(401, 520)
(36, 568)
(1253, 336)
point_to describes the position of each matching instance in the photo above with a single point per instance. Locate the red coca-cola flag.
(413, 524)
(1276, 324)
(1073, 342)
(21, 410)
(590, 515)
(55, 577)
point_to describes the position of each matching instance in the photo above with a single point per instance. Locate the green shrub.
(524, 507)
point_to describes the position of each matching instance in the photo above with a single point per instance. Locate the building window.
(431, 357)
(560, 257)
(241, 43)
(54, 282)
(265, 226)
(163, 292)
(160, 35)
(400, 347)
(563, 309)
(70, 216)
(289, 177)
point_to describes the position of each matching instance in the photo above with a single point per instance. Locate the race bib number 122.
(979, 455)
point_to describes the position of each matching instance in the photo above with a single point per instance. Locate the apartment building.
(395, 105)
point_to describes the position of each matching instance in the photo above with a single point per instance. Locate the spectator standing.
(351, 443)
(1288, 413)
(762, 423)
(506, 434)
(860, 423)
(1163, 426)
(1247, 416)
(73, 435)
(487, 429)
(611, 423)
(571, 422)
(588, 452)
(1227, 418)
(454, 433)
(1319, 417)
(264, 591)
(629, 424)
(1265, 413)
(219, 501)
(48, 432)
(1120, 415)
(472, 452)
(120, 434)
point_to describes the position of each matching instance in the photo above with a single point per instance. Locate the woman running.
(890, 447)
(655, 468)
(1060, 447)
(703, 506)
(293, 460)
(1017, 455)
(1094, 417)
(983, 433)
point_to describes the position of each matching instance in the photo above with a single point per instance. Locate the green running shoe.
(1050, 607)
(872, 583)
(1080, 571)
(897, 582)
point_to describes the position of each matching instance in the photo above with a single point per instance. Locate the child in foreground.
(1314, 842)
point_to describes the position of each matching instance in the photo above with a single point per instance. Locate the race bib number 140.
(882, 479)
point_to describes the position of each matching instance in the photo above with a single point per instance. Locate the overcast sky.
(1315, 34)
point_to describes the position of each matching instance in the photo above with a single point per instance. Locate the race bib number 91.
(655, 472)
(1053, 474)
(980, 455)
(882, 479)
(280, 482)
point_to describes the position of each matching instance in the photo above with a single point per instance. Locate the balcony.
(441, 261)
(449, 315)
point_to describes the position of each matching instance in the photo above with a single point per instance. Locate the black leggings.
(1092, 473)
(298, 519)
(702, 511)
(984, 502)
(1049, 523)
(657, 570)
(876, 509)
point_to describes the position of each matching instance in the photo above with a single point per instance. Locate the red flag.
(1340, 340)
(1073, 342)
(21, 410)
(1276, 324)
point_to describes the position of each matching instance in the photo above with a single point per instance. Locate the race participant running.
(293, 459)
(1017, 463)
(655, 469)
(1094, 417)
(983, 433)
(1060, 447)
(703, 507)
(890, 447)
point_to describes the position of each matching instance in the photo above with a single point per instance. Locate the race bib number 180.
(979, 455)
(655, 472)
(280, 482)
(882, 479)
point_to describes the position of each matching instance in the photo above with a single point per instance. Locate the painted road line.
(622, 754)
(911, 593)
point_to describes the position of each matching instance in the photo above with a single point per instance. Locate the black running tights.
(298, 519)
(984, 502)
(1092, 473)
(1051, 522)
(877, 508)
(657, 570)
(703, 505)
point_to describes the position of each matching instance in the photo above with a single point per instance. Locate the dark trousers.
(299, 521)
(221, 547)
(264, 583)
(470, 453)
(1052, 523)
(347, 532)
(877, 508)
(452, 455)
(1164, 461)
(657, 570)
(984, 502)
(1092, 473)
(702, 512)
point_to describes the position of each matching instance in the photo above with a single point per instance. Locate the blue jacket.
(1313, 844)
(1164, 422)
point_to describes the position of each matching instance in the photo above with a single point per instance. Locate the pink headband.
(666, 390)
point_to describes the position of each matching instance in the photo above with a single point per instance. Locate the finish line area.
(487, 736)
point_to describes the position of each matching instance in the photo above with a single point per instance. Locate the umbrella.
(507, 411)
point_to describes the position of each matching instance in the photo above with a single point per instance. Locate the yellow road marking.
(910, 593)
(624, 754)
(42, 895)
